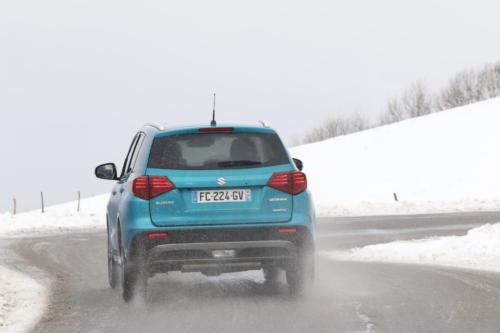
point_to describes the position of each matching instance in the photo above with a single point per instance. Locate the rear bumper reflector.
(158, 234)
(288, 230)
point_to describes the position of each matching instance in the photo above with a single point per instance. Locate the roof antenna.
(213, 122)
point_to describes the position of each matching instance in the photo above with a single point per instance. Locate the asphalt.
(347, 296)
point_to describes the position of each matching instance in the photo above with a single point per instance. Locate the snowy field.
(479, 249)
(443, 162)
(57, 218)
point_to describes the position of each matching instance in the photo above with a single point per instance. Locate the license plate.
(211, 196)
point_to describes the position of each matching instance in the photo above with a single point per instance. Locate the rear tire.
(300, 273)
(113, 268)
(134, 282)
(134, 279)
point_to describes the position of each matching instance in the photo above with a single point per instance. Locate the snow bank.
(479, 249)
(22, 300)
(57, 218)
(443, 162)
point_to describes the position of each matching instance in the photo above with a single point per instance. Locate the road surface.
(347, 296)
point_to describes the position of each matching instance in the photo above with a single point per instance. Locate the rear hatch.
(220, 178)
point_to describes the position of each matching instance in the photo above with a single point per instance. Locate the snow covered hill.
(443, 162)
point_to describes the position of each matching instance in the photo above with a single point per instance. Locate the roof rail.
(157, 126)
(264, 124)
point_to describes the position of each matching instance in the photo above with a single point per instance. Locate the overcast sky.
(77, 78)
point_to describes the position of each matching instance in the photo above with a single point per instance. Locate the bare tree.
(471, 86)
(394, 112)
(358, 123)
(488, 81)
(416, 101)
(337, 126)
(461, 90)
(317, 134)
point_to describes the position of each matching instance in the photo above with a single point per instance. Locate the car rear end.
(221, 199)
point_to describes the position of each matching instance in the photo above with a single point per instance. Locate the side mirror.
(298, 164)
(106, 171)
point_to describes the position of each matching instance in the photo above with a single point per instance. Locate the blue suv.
(209, 199)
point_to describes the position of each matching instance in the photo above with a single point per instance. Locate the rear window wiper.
(227, 164)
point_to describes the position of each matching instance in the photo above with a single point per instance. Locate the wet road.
(347, 297)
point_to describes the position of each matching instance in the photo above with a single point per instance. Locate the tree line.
(466, 87)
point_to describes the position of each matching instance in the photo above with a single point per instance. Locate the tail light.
(216, 129)
(293, 182)
(148, 187)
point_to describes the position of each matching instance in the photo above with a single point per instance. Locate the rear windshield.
(208, 151)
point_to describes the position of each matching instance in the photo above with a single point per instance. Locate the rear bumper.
(220, 257)
(220, 250)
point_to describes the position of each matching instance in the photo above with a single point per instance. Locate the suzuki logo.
(221, 181)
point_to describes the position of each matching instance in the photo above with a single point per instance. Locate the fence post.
(15, 206)
(78, 207)
(43, 208)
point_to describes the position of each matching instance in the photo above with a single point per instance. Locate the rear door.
(220, 178)
(119, 187)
